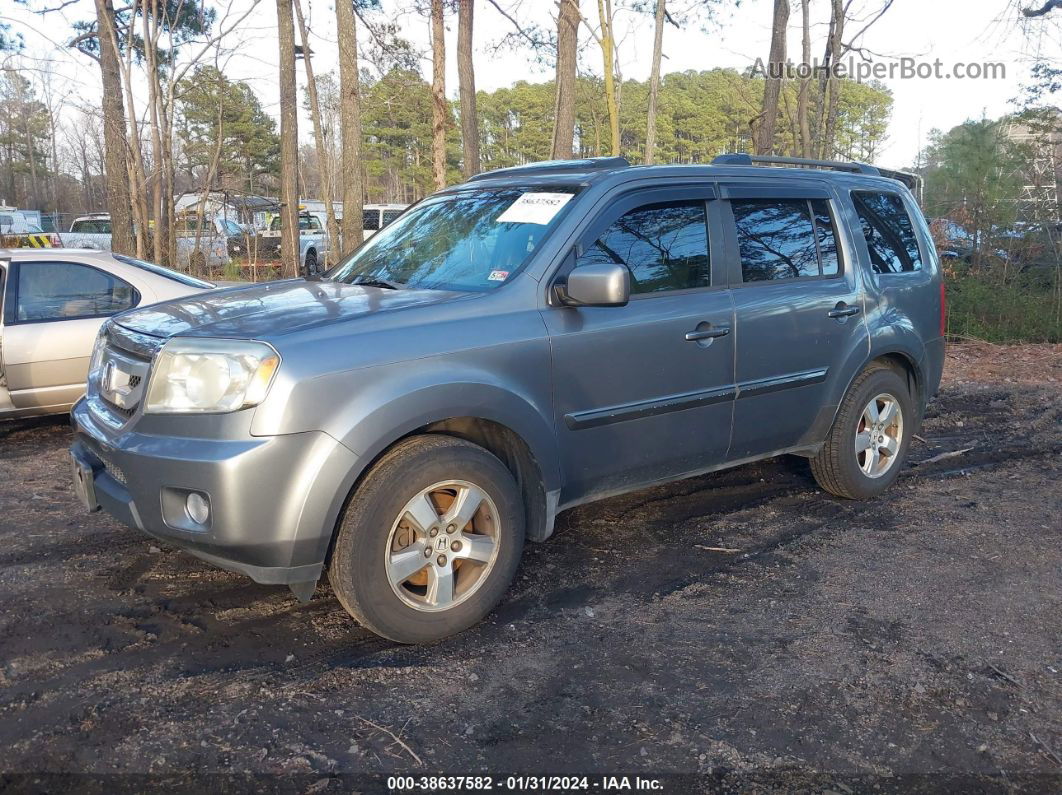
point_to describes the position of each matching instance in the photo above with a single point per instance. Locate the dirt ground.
(742, 629)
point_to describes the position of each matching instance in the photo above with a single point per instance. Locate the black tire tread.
(376, 481)
(826, 465)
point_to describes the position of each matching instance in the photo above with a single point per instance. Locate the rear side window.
(65, 290)
(390, 215)
(785, 239)
(370, 220)
(665, 247)
(889, 233)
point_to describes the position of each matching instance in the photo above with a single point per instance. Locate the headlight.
(210, 375)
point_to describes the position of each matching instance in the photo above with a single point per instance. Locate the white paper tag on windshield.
(534, 208)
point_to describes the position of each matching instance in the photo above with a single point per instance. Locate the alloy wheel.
(442, 546)
(879, 435)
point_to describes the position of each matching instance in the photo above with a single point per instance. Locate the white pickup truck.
(313, 242)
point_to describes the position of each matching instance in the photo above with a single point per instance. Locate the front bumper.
(274, 500)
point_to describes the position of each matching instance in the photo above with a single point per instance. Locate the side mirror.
(601, 284)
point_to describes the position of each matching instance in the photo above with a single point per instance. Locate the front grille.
(119, 381)
(114, 471)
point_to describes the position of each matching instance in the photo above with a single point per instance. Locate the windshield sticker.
(498, 276)
(534, 208)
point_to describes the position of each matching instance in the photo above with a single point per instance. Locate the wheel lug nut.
(427, 553)
(456, 546)
(450, 528)
(441, 560)
(433, 532)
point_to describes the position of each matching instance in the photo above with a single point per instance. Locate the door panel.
(47, 337)
(797, 313)
(47, 363)
(644, 392)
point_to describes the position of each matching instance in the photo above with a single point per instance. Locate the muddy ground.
(911, 642)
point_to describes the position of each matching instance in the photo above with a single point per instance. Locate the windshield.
(158, 270)
(466, 241)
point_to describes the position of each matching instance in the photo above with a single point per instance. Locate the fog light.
(198, 507)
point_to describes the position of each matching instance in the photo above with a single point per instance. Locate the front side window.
(665, 247)
(66, 290)
(472, 240)
(890, 235)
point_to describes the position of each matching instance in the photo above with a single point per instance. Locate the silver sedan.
(54, 302)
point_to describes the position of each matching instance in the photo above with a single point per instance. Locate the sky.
(953, 31)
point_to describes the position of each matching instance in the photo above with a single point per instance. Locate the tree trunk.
(466, 83)
(116, 168)
(654, 81)
(289, 143)
(604, 10)
(318, 134)
(776, 65)
(438, 96)
(350, 126)
(833, 85)
(564, 97)
(803, 97)
(160, 238)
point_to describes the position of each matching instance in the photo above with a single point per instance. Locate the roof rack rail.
(577, 166)
(744, 159)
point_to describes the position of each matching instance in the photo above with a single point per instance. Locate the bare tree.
(804, 93)
(350, 125)
(567, 62)
(318, 132)
(438, 95)
(607, 43)
(654, 80)
(828, 84)
(289, 142)
(764, 140)
(466, 83)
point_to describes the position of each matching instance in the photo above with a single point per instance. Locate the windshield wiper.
(369, 281)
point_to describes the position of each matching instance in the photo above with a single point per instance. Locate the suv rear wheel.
(867, 444)
(430, 540)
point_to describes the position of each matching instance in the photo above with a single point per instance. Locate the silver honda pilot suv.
(533, 339)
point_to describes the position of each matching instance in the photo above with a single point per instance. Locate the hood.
(272, 308)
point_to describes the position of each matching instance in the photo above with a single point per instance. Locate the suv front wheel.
(430, 540)
(867, 444)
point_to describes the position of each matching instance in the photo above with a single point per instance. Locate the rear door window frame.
(808, 193)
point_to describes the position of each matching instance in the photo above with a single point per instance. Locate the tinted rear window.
(890, 235)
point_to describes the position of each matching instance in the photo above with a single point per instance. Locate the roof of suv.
(596, 170)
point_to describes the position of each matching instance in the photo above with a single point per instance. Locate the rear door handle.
(708, 333)
(843, 311)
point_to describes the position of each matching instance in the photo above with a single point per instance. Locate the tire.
(380, 534)
(839, 467)
(311, 263)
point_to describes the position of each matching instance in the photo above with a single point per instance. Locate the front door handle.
(841, 310)
(708, 333)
